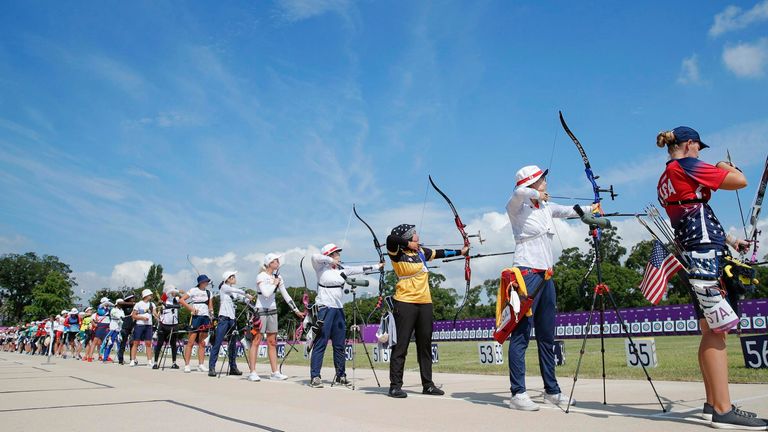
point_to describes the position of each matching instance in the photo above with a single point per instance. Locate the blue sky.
(141, 132)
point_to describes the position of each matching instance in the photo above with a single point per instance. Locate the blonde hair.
(667, 138)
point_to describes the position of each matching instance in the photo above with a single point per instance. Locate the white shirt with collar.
(330, 282)
(227, 296)
(533, 227)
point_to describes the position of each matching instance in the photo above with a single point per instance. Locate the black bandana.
(405, 231)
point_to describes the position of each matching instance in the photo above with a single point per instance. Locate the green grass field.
(677, 357)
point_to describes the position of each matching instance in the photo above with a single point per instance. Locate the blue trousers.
(109, 342)
(543, 320)
(222, 328)
(335, 329)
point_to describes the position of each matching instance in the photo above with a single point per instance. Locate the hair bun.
(665, 138)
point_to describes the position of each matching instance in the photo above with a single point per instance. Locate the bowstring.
(551, 157)
(349, 222)
(423, 207)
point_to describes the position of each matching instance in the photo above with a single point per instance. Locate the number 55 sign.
(755, 351)
(641, 353)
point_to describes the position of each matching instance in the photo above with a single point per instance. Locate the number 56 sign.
(755, 351)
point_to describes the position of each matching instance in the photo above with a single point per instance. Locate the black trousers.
(410, 318)
(164, 333)
(125, 332)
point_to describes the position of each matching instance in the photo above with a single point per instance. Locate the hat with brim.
(227, 274)
(202, 279)
(146, 292)
(330, 248)
(268, 258)
(529, 175)
(685, 133)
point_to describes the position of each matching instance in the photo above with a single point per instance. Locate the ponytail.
(665, 138)
(221, 283)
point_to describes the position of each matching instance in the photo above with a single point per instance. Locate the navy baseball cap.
(684, 133)
(202, 278)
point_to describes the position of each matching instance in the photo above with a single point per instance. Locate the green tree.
(154, 281)
(19, 275)
(639, 255)
(50, 297)
(109, 293)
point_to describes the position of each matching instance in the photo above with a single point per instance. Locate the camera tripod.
(355, 334)
(602, 290)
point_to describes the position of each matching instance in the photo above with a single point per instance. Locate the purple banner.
(644, 321)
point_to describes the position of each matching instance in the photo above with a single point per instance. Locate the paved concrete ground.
(75, 396)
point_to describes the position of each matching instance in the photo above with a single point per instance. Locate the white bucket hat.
(146, 292)
(529, 175)
(227, 274)
(268, 258)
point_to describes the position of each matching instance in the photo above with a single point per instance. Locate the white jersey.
(144, 310)
(199, 300)
(265, 286)
(116, 315)
(533, 227)
(170, 316)
(329, 280)
(227, 296)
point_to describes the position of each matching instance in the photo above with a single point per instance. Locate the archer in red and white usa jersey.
(684, 190)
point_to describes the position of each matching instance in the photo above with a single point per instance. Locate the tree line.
(32, 286)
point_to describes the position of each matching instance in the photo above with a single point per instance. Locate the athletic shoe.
(432, 390)
(156, 366)
(253, 376)
(278, 376)
(151, 364)
(706, 412)
(341, 380)
(234, 371)
(202, 368)
(558, 399)
(316, 382)
(523, 402)
(737, 419)
(174, 366)
(212, 373)
(397, 393)
(133, 363)
(187, 369)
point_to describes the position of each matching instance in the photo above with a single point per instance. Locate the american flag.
(660, 268)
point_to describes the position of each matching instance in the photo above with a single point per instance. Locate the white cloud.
(747, 60)
(117, 73)
(689, 71)
(131, 273)
(297, 10)
(12, 244)
(732, 18)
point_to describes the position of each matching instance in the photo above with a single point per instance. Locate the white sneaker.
(202, 368)
(133, 363)
(278, 376)
(187, 369)
(558, 399)
(523, 402)
(253, 376)
(150, 364)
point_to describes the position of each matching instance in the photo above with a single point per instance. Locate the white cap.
(73, 311)
(104, 300)
(63, 312)
(529, 175)
(119, 301)
(168, 288)
(268, 258)
(329, 249)
(227, 274)
(146, 292)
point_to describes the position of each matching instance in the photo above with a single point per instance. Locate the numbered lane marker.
(642, 353)
(755, 351)
(490, 353)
